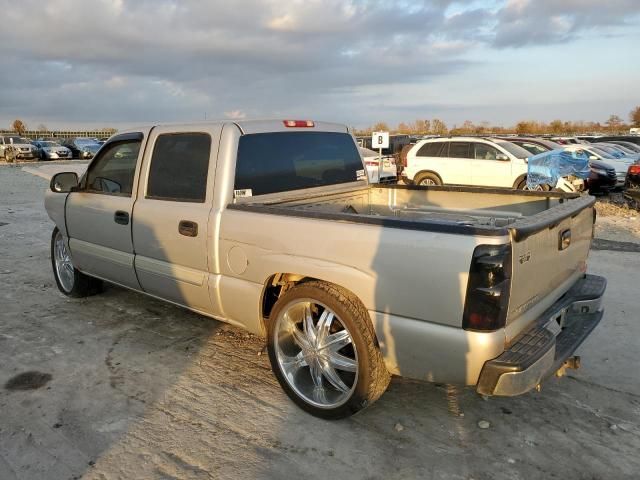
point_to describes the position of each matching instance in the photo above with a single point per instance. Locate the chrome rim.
(537, 188)
(64, 267)
(316, 354)
(427, 181)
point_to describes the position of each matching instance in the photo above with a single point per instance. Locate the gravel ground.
(121, 386)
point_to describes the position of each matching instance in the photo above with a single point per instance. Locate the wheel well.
(519, 180)
(275, 286)
(422, 172)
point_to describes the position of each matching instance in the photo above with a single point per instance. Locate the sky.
(119, 63)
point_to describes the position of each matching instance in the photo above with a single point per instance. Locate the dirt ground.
(121, 386)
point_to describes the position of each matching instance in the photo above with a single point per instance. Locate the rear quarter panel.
(415, 274)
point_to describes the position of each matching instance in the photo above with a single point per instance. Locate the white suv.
(466, 161)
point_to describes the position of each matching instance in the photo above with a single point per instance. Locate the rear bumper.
(543, 349)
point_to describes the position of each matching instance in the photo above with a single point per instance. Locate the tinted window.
(112, 172)
(283, 161)
(485, 152)
(460, 150)
(513, 149)
(532, 148)
(179, 167)
(433, 149)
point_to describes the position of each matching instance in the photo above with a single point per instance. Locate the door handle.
(188, 228)
(121, 217)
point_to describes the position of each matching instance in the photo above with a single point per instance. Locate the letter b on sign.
(379, 140)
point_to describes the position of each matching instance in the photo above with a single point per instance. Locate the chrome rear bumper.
(543, 349)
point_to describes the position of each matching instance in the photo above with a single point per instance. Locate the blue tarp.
(546, 168)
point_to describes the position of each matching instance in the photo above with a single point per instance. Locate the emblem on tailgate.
(525, 257)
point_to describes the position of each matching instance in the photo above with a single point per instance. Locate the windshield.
(49, 144)
(622, 148)
(602, 153)
(17, 140)
(513, 149)
(91, 147)
(283, 161)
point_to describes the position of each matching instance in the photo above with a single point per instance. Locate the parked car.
(615, 138)
(265, 225)
(48, 150)
(13, 147)
(619, 150)
(620, 165)
(568, 140)
(372, 164)
(488, 162)
(602, 177)
(631, 146)
(632, 184)
(83, 148)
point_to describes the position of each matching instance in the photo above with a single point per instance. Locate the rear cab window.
(283, 161)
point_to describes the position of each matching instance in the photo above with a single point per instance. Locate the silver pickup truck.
(271, 226)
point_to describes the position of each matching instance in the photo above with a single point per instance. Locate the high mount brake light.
(298, 123)
(488, 288)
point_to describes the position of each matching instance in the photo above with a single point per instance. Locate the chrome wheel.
(64, 266)
(316, 353)
(427, 181)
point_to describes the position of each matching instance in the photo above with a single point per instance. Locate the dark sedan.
(82, 148)
(602, 177)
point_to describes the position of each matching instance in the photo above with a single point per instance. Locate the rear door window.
(283, 161)
(460, 150)
(179, 167)
(433, 149)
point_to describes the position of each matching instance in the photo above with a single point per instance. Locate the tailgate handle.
(564, 239)
(188, 228)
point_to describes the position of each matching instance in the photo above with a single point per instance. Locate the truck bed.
(472, 210)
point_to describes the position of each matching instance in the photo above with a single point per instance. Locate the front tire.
(70, 281)
(427, 180)
(323, 350)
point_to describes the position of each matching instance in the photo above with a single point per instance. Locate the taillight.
(634, 170)
(487, 300)
(298, 123)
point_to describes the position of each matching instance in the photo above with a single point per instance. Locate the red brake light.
(298, 123)
(634, 170)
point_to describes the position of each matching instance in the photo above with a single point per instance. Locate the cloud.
(542, 22)
(235, 115)
(167, 60)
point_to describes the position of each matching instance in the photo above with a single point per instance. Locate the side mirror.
(64, 182)
(502, 156)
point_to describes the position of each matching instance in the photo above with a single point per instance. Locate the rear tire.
(323, 350)
(70, 281)
(427, 179)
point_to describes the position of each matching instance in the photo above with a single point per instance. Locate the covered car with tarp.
(550, 168)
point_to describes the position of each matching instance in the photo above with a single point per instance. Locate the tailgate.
(547, 258)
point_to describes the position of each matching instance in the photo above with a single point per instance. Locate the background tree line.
(614, 124)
